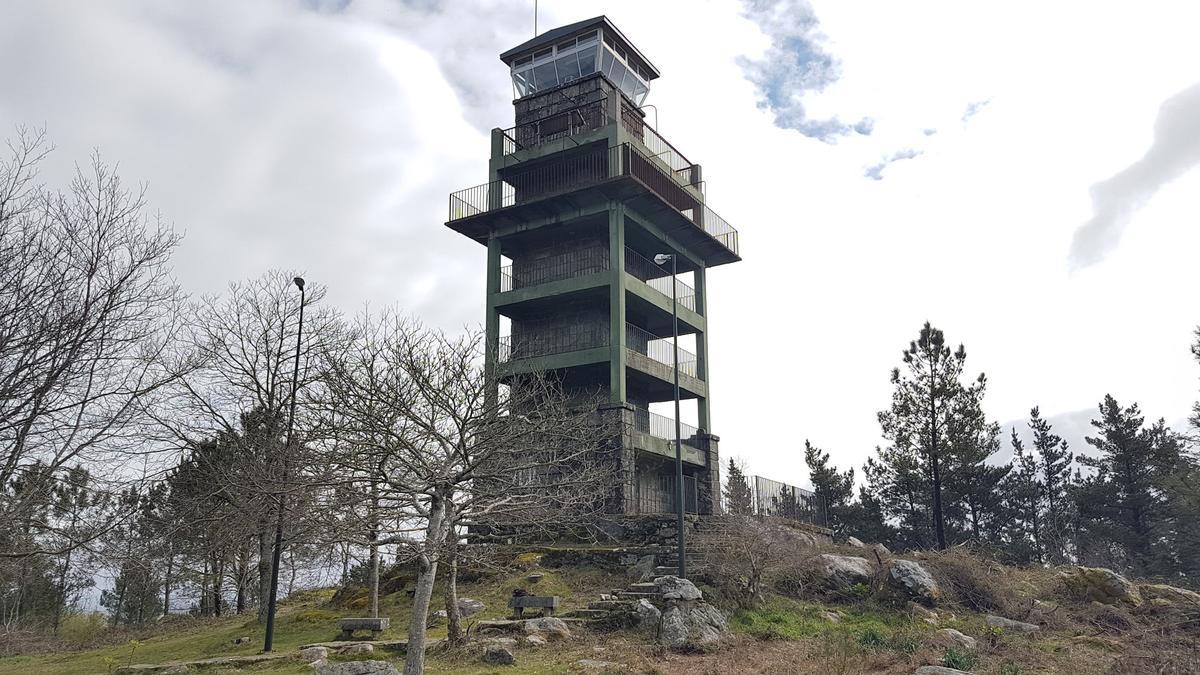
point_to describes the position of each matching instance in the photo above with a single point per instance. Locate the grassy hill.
(785, 635)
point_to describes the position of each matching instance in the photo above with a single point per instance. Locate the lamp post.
(661, 259)
(277, 554)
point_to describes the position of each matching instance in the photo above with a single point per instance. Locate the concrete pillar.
(616, 302)
(492, 319)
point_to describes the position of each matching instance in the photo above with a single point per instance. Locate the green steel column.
(702, 405)
(616, 302)
(492, 321)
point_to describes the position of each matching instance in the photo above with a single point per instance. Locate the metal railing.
(661, 426)
(657, 278)
(546, 342)
(772, 498)
(579, 119)
(656, 493)
(556, 267)
(659, 349)
(588, 168)
(658, 146)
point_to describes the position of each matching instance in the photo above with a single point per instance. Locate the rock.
(310, 654)
(907, 580)
(241, 641)
(643, 569)
(939, 670)
(498, 655)
(357, 668)
(360, 648)
(883, 551)
(1011, 625)
(594, 666)
(948, 637)
(506, 642)
(437, 618)
(1101, 585)
(920, 613)
(840, 572)
(535, 640)
(831, 617)
(692, 625)
(468, 607)
(1170, 594)
(674, 588)
(646, 615)
(855, 542)
(535, 577)
(547, 625)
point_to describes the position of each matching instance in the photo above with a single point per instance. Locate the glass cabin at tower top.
(559, 56)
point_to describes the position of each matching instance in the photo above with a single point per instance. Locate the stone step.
(588, 614)
(632, 595)
(643, 587)
(611, 605)
(666, 570)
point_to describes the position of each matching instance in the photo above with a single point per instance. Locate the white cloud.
(327, 140)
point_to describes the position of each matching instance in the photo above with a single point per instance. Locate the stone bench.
(350, 625)
(546, 603)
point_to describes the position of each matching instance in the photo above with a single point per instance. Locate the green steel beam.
(616, 302)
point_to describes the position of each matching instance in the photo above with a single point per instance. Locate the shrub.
(959, 659)
(973, 581)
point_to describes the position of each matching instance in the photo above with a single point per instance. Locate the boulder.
(1170, 594)
(921, 613)
(948, 637)
(241, 641)
(357, 668)
(498, 655)
(939, 670)
(882, 551)
(855, 542)
(469, 607)
(547, 625)
(674, 588)
(437, 618)
(643, 569)
(646, 615)
(839, 572)
(831, 617)
(907, 580)
(694, 625)
(360, 648)
(310, 654)
(535, 640)
(1101, 585)
(1011, 625)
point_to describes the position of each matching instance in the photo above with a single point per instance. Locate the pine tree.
(939, 438)
(1123, 502)
(739, 500)
(1056, 461)
(835, 487)
(1024, 490)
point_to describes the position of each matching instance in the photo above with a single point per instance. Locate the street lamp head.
(299, 282)
(663, 258)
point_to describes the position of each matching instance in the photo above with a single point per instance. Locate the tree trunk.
(264, 570)
(454, 632)
(373, 539)
(167, 583)
(435, 535)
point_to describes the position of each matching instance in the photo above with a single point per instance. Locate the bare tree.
(743, 554)
(448, 457)
(87, 305)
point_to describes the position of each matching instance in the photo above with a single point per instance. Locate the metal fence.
(772, 498)
(581, 118)
(657, 278)
(562, 265)
(656, 494)
(661, 426)
(658, 349)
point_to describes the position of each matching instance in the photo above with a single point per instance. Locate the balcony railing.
(659, 349)
(660, 426)
(586, 169)
(658, 146)
(580, 118)
(657, 278)
(565, 265)
(656, 493)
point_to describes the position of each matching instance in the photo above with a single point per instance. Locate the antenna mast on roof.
(535, 18)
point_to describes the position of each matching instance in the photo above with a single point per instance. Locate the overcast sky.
(1024, 175)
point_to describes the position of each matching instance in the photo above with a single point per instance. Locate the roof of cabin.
(555, 34)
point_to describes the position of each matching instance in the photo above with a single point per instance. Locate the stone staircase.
(617, 609)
